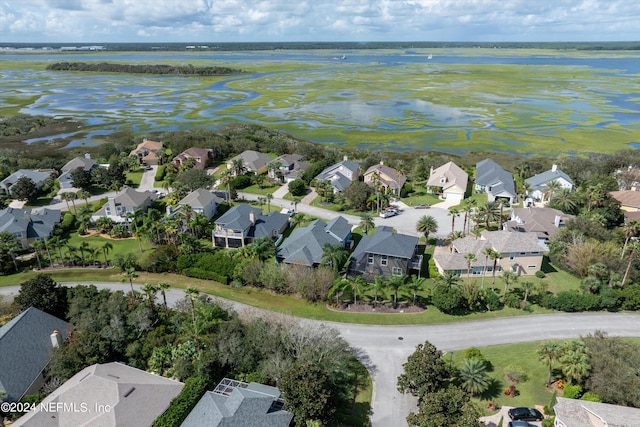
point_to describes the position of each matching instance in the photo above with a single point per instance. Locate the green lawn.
(266, 189)
(135, 177)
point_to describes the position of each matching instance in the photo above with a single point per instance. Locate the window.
(396, 271)
(489, 269)
(476, 271)
(512, 256)
(384, 260)
(499, 269)
(107, 210)
(532, 266)
(369, 259)
(535, 253)
(523, 253)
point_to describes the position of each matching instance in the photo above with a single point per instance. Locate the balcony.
(416, 263)
(231, 234)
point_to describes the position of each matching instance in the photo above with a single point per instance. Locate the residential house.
(147, 152)
(201, 201)
(538, 183)
(239, 404)
(242, 224)
(86, 163)
(583, 413)
(305, 245)
(109, 394)
(386, 254)
(521, 254)
(125, 203)
(38, 176)
(29, 225)
(451, 182)
(200, 155)
(340, 175)
(387, 177)
(629, 200)
(291, 166)
(26, 344)
(496, 182)
(253, 161)
(544, 222)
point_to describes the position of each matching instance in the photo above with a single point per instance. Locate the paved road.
(384, 349)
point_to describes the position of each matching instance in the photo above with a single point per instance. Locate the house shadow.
(547, 267)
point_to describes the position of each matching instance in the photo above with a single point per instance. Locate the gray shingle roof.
(252, 160)
(200, 198)
(305, 245)
(385, 242)
(451, 173)
(253, 406)
(537, 182)
(338, 180)
(541, 221)
(489, 173)
(25, 349)
(136, 398)
(576, 413)
(79, 162)
(37, 176)
(33, 223)
(397, 180)
(238, 218)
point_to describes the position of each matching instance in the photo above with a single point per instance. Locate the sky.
(152, 21)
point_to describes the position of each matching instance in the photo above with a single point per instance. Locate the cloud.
(289, 20)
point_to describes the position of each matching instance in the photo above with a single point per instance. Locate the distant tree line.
(23, 124)
(142, 69)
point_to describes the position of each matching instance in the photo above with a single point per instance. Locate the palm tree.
(495, 257)
(357, 284)
(528, 287)
(486, 252)
(470, 257)
(72, 252)
(635, 247)
(269, 199)
(84, 195)
(468, 206)
(106, 247)
(473, 376)
(225, 179)
(631, 229)
(83, 246)
(150, 292)
(565, 199)
(366, 222)
(595, 195)
(193, 293)
(448, 279)
(550, 189)
(66, 196)
(501, 204)
(238, 168)
(294, 201)
(164, 287)
(415, 285)
(37, 246)
(378, 285)
(488, 212)
(57, 242)
(133, 227)
(548, 351)
(47, 242)
(130, 274)
(508, 277)
(187, 212)
(9, 244)
(395, 283)
(427, 224)
(454, 212)
(259, 180)
(334, 255)
(261, 201)
(198, 224)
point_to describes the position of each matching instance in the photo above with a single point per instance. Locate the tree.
(297, 187)
(192, 293)
(508, 277)
(83, 246)
(193, 179)
(550, 190)
(449, 279)
(471, 258)
(164, 287)
(357, 194)
(43, 293)
(130, 274)
(630, 229)
(635, 247)
(37, 246)
(237, 167)
(495, 257)
(395, 283)
(488, 212)
(453, 212)
(357, 285)
(426, 225)
(447, 407)
(528, 287)
(106, 247)
(473, 376)
(81, 179)
(378, 285)
(309, 394)
(366, 222)
(574, 361)
(548, 351)
(424, 372)
(70, 196)
(150, 291)
(334, 256)
(269, 199)
(415, 285)
(84, 195)
(564, 200)
(25, 189)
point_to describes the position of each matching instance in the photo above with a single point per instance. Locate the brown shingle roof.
(627, 198)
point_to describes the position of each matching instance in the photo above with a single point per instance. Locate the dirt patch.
(384, 308)
(94, 233)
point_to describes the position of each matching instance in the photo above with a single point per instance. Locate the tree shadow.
(547, 267)
(494, 390)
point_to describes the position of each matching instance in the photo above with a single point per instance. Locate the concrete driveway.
(383, 349)
(148, 179)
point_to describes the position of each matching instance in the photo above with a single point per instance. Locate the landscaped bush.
(492, 300)
(512, 299)
(297, 187)
(160, 173)
(591, 397)
(540, 274)
(433, 271)
(221, 263)
(630, 297)
(448, 300)
(182, 404)
(240, 182)
(199, 273)
(67, 223)
(406, 190)
(572, 391)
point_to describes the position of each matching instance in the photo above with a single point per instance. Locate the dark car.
(421, 206)
(519, 424)
(525, 414)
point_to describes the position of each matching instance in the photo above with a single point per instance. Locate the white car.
(388, 213)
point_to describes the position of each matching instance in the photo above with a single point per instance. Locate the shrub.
(548, 410)
(540, 274)
(297, 187)
(492, 300)
(512, 299)
(160, 173)
(630, 297)
(448, 300)
(433, 271)
(569, 301)
(591, 397)
(68, 221)
(182, 404)
(572, 391)
(240, 182)
(406, 190)
(199, 273)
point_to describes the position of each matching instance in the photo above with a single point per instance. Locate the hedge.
(160, 173)
(199, 273)
(182, 404)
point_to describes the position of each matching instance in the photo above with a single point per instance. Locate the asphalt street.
(383, 349)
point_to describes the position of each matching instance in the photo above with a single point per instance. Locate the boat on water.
(430, 56)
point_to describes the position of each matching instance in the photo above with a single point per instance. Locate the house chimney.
(345, 158)
(56, 339)
(252, 218)
(556, 221)
(554, 168)
(381, 162)
(169, 210)
(87, 155)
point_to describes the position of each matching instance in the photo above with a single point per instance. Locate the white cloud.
(290, 20)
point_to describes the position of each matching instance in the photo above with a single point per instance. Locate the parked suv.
(525, 414)
(388, 213)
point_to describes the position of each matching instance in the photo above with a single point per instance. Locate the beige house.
(629, 200)
(390, 179)
(146, 152)
(582, 413)
(520, 252)
(199, 155)
(451, 180)
(544, 222)
(252, 161)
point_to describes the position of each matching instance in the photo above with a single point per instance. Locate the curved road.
(383, 349)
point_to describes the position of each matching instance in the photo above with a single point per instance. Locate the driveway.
(383, 349)
(148, 179)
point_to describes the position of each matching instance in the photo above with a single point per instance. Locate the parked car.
(422, 206)
(525, 414)
(519, 424)
(388, 213)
